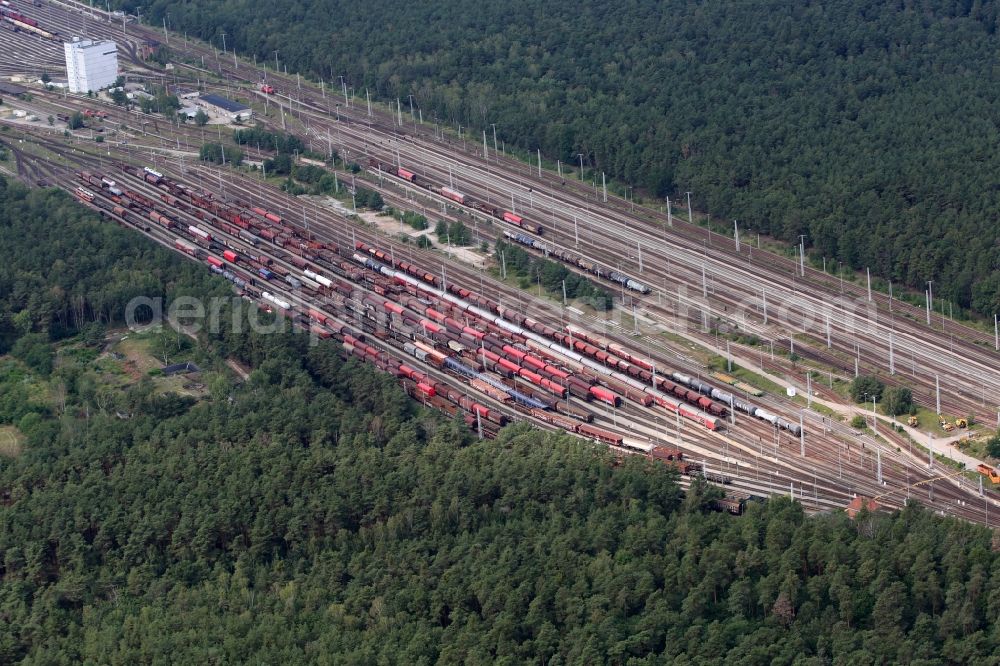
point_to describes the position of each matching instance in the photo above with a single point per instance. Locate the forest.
(868, 126)
(313, 513)
(62, 273)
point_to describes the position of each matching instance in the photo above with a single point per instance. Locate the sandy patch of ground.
(138, 361)
(392, 227)
(11, 441)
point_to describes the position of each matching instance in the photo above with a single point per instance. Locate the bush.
(865, 387)
(366, 198)
(993, 445)
(36, 352)
(292, 187)
(161, 101)
(308, 173)
(460, 234)
(266, 140)
(552, 275)
(897, 400)
(216, 153)
(455, 233)
(414, 220)
(281, 165)
(859, 422)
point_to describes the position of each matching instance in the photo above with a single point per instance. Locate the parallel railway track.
(674, 255)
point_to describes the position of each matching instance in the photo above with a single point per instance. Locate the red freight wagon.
(453, 195)
(604, 395)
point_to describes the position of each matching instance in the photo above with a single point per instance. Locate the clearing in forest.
(11, 440)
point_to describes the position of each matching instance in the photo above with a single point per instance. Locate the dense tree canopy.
(265, 140)
(869, 126)
(61, 270)
(217, 154)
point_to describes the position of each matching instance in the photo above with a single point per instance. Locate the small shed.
(180, 369)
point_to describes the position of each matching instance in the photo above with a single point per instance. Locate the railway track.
(693, 323)
(744, 449)
(613, 228)
(869, 344)
(866, 339)
(758, 434)
(252, 195)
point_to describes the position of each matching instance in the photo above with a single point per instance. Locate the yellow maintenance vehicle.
(989, 473)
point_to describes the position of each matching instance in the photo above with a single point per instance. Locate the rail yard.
(469, 344)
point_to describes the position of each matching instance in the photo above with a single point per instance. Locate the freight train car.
(730, 399)
(20, 22)
(528, 329)
(579, 262)
(458, 197)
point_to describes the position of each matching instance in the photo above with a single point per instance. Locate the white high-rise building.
(90, 65)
